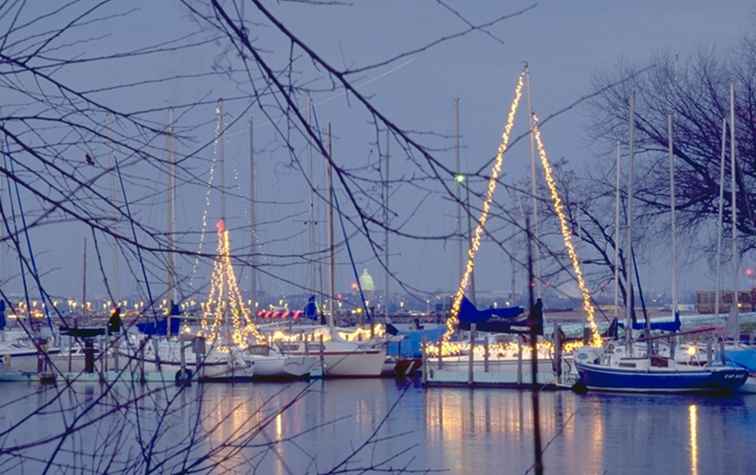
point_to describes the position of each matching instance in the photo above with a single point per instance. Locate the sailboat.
(341, 358)
(619, 369)
(737, 353)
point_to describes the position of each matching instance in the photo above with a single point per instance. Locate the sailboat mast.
(171, 210)
(221, 158)
(534, 194)
(717, 295)
(617, 234)
(458, 170)
(331, 236)
(252, 221)
(115, 279)
(222, 179)
(84, 279)
(673, 214)
(386, 179)
(468, 210)
(629, 238)
(733, 323)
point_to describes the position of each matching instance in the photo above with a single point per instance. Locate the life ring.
(183, 376)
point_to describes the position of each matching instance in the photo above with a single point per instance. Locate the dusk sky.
(565, 44)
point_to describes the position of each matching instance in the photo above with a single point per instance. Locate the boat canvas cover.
(469, 313)
(159, 328)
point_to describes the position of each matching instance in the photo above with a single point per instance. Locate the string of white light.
(566, 234)
(453, 320)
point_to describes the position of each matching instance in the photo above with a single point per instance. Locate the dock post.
(485, 356)
(519, 360)
(440, 356)
(722, 357)
(372, 330)
(70, 347)
(199, 357)
(709, 351)
(322, 358)
(141, 360)
(116, 360)
(558, 353)
(471, 356)
(156, 348)
(307, 345)
(182, 354)
(104, 340)
(424, 365)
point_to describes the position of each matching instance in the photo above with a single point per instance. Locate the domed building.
(366, 282)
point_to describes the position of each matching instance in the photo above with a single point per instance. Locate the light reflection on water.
(693, 421)
(480, 431)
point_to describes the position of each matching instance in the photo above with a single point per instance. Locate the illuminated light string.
(502, 349)
(567, 235)
(225, 296)
(210, 180)
(453, 320)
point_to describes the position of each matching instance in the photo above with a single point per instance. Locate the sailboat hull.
(283, 367)
(605, 378)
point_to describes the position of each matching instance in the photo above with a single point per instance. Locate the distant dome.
(366, 281)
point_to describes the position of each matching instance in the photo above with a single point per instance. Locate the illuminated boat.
(613, 371)
(271, 364)
(218, 364)
(343, 359)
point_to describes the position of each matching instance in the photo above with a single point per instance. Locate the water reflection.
(693, 423)
(464, 431)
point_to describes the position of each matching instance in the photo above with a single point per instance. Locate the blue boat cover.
(2, 314)
(311, 310)
(468, 313)
(159, 328)
(672, 326)
(745, 358)
(411, 345)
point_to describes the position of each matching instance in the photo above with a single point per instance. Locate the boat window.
(284, 347)
(659, 362)
(625, 364)
(263, 350)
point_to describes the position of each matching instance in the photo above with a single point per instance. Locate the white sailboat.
(341, 358)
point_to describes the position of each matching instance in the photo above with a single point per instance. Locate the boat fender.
(183, 376)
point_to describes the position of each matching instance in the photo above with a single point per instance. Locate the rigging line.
(28, 245)
(139, 250)
(203, 233)
(351, 257)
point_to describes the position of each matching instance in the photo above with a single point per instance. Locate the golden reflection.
(452, 416)
(693, 423)
(279, 426)
(597, 439)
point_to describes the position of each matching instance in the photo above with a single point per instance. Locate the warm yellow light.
(225, 297)
(453, 320)
(692, 351)
(567, 235)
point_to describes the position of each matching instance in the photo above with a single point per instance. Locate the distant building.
(705, 300)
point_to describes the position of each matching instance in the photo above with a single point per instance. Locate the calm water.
(463, 431)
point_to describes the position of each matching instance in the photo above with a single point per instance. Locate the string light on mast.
(566, 234)
(453, 320)
(225, 298)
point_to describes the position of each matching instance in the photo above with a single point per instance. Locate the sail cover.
(672, 326)
(468, 313)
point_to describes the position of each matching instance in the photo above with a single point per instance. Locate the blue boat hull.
(719, 379)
